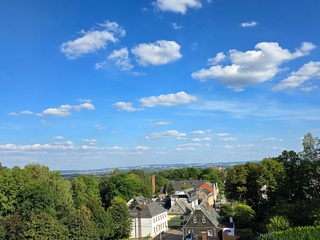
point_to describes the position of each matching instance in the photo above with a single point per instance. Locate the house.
(154, 220)
(212, 187)
(197, 185)
(179, 213)
(206, 224)
(140, 199)
(205, 194)
(189, 195)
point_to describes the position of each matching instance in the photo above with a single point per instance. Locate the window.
(209, 232)
(203, 220)
(181, 217)
(194, 220)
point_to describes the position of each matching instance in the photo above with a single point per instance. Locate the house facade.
(203, 223)
(189, 195)
(154, 220)
(179, 213)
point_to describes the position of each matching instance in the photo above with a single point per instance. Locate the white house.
(189, 195)
(154, 220)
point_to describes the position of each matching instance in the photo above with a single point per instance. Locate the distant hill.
(151, 167)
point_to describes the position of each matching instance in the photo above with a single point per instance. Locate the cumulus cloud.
(170, 133)
(185, 149)
(158, 53)
(218, 58)
(92, 40)
(58, 138)
(177, 6)
(201, 132)
(26, 112)
(252, 67)
(249, 24)
(126, 106)
(168, 100)
(90, 141)
(13, 114)
(306, 72)
(121, 57)
(65, 110)
(55, 146)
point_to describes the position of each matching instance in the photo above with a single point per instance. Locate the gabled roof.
(206, 191)
(191, 193)
(192, 183)
(185, 208)
(212, 215)
(150, 210)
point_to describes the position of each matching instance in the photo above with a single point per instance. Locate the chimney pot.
(208, 209)
(142, 205)
(149, 201)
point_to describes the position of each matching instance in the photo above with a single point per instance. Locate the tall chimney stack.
(208, 208)
(153, 183)
(143, 205)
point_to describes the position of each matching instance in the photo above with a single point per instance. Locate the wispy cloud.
(168, 100)
(170, 133)
(126, 106)
(249, 24)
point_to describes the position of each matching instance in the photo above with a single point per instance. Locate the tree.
(47, 227)
(80, 226)
(243, 215)
(122, 220)
(278, 223)
(170, 189)
(13, 227)
(226, 211)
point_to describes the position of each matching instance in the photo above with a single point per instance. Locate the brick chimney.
(208, 207)
(149, 201)
(142, 205)
(153, 183)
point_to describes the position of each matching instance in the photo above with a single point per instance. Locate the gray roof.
(192, 183)
(191, 193)
(180, 207)
(149, 210)
(206, 191)
(211, 214)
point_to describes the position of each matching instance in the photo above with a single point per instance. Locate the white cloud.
(13, 114)
(230, 139)
(176, 26)
(142, 148)
(26, 112)
(272, 139)
(177, 6)
(62, 111)
(92, 40)
(161, 123)
(201, 139)
(201, 132)
(170, 133)
(158, 53)
(308, 89)
(190, 145)
(306, 72)
(218, 58)
(185, 149)
(126, 106)
(252, 67)
(58, 138)
(90, 141)
(99, 127)
(168, 100)
(249, 24)
(121, 57)
(85, 100)
(223, 134)
(87, 106)
(100, 65)
(245, 145)
(65, 110)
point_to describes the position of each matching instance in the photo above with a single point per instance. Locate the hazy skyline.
(98, 84)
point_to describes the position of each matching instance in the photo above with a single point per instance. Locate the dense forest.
(273, 195)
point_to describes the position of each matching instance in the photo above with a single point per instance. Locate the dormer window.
(194, 220)
(203, 220)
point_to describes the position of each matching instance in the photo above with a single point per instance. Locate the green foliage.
(185, 186)
(13, 227)
(278, 223)
(226, 211)
(80, 226)
(121, 218)
(298, 233)
(170, 189)
(243, 215)
(44, 226)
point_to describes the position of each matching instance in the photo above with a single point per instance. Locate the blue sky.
(97, 84)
